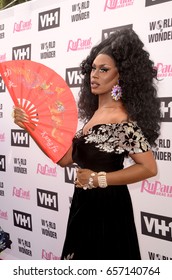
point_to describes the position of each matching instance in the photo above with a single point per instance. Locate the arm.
(66, 159)
(144, 167)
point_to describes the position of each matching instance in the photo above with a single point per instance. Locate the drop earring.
(116, 92)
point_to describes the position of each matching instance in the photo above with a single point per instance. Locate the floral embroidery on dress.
(124, 137)
(69, 257)
(78, 133)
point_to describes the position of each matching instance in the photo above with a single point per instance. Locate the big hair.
(137, 75)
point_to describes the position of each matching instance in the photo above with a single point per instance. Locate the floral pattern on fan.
(47, 100)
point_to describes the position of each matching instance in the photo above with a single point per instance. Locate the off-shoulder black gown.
(101, 223)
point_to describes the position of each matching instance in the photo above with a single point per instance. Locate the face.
(104, 75)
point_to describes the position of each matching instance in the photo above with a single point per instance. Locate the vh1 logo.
(155, 2)
(21, 52)
(107, 32)
(2, 85)
(47, 199)
(49, 19)
(166, 109)
(19, 138)
(22, 220)
(156, 226)
(70, 173)
(73, 77)
(2, 163)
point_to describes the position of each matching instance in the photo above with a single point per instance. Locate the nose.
(95, 73)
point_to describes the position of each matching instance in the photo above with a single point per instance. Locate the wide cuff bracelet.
(102, 181)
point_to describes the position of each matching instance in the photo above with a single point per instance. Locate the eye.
(103, 69)
(93, 68)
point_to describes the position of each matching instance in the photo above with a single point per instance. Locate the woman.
(119, 105)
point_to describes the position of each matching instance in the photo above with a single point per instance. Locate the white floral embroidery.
(124, 137)
(69, 257)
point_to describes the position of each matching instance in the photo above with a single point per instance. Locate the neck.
(114, 105)
(103, 107)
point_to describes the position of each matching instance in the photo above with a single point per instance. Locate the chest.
(104, 117)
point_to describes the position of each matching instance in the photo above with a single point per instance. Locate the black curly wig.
(137, 76)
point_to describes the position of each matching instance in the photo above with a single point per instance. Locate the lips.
(94, 85)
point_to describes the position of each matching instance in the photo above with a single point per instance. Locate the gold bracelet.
(102, 181)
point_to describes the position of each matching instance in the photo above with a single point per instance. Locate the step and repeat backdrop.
(35, 193)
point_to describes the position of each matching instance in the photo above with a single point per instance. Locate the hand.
(20, 117)
(83, 178)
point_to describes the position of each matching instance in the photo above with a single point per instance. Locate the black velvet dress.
(101, 223)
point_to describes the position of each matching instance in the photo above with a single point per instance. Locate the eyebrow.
(101, 65)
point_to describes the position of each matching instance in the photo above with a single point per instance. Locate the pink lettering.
(22, 25)
(79, 44)
(110, 4)
(2, 137)
(156, 188)
(46, 170)
(49, 256)
(163, 69)
(3, 215)
(148, 187)
(19, 192)
(115, 4)
(2, 57)
(49, 142)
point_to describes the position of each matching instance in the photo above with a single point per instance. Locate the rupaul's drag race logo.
(22, 26)
(79, 44)
(46, 170)
(2, 57)
(21, 193)
(164, 70)
(49, 255)
(156, 188)
(3, 215)
(2, 137)
(116, 4)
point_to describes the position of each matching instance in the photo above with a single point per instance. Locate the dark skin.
(103, 77)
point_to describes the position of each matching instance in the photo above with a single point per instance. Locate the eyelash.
(101, 69)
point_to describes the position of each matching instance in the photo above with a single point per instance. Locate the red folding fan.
(47, 100)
